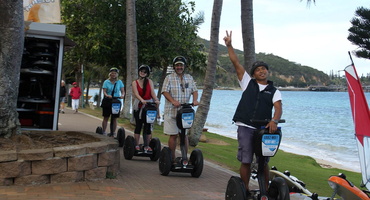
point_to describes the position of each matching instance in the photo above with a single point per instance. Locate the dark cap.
(179, 59)
(258, 64)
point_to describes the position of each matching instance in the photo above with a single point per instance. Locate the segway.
(149, 114)
(184, 120)
(116, 106)
(266, 145)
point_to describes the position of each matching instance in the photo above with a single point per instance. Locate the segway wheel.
(155, 144)
(99, 130)
(235, 189)
(165, 161)
(121, 136)
(129, 147)
(196, 159)
(279, 189)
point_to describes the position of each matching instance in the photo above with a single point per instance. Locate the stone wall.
(89, 161)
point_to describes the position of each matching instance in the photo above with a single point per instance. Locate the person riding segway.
(145, 111)
(265, 145)
(178, 87)
(113, 90)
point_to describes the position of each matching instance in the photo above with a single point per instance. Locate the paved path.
(139, 178)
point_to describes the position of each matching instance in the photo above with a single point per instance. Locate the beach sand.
(328, 164)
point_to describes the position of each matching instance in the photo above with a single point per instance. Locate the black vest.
(255, 104)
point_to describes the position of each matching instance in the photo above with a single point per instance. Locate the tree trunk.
(131, 47)
(163, 76)
(87, 91)
(248, 33)
(11, 49)
(210, 77)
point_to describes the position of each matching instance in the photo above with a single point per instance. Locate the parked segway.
(116, 107)
(149, 114)
(266, 145)
(184, 120)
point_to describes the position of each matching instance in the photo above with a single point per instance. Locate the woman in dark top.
(143, 90)
(62, 96)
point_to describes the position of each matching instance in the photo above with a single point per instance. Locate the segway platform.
(129, 150)
(194, 166)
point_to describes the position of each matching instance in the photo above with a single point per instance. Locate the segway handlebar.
(266, 121)
(187, 104)
(150, 103)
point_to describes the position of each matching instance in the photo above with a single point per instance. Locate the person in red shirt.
(143, 89)
(75, 92)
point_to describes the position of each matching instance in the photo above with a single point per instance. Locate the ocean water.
(318, 124)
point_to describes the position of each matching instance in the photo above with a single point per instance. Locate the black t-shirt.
(63, 91)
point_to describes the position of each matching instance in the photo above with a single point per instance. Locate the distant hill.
(282, 71)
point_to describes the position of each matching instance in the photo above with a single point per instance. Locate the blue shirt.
(109, 87)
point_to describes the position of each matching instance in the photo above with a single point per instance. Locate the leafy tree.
(11, 49)
(165, 29)
(359, 33)
(97, 28)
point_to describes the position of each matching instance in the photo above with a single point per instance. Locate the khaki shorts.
(170, 127)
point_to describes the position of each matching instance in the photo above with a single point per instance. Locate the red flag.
(360, 108)
(361, 120)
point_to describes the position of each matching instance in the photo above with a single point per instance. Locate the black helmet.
(146, 68)
(257, 64)
(179, 59)
(114, 69)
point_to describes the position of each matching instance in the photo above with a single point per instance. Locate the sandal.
(185, 162)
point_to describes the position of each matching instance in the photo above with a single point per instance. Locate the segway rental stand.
(184, 120)
(149, 114)
(265, 145)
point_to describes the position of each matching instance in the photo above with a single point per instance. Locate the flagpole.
(349, 53)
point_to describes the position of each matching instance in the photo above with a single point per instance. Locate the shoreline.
(328, 164)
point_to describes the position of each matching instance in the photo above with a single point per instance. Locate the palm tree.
(131, 48)
(209, 80)
(248, 32)
(11, 49)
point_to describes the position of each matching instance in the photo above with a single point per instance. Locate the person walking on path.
(258, 99)
(76, 94)
(143, 89)
(112, 88)
(178, 87)
(62, 96)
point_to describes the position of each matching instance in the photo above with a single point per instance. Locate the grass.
(222, 151)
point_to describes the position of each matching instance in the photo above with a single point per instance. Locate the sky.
(314, 36)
